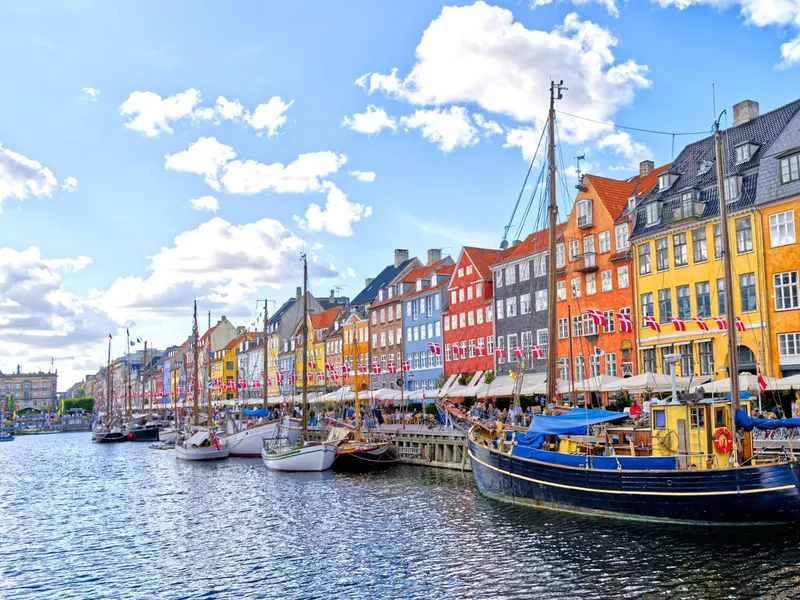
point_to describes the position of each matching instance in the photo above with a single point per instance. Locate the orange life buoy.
(723, 440)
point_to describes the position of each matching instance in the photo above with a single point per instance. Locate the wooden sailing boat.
(282, 453)
(105, 431)
(203, 443)
(557, 464)
(142, 428)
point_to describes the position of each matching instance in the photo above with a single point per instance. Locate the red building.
(467, 330)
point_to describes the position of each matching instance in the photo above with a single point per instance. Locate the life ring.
(723, 440)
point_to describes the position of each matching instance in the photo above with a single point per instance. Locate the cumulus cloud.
(487, 126)
(624, 147)
(205, 204)
(92, 93)
(366, 176)
(269, 117)
(69, 184)
(338, 215)
(151, 114)
(611, 5)
(21, 177)
(448, 128)
(374, 120)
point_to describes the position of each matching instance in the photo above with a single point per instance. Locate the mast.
(552, 333)
(266, 356)
(128, 375)
(305, 348)
(196, 391)
(108, 385)
(208, 361)
(733, 369)
(357, 404)
(144, 383)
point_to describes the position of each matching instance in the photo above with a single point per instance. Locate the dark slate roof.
(275, 319)
(761, 131)
(369, 293)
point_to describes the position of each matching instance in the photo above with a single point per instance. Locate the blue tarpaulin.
(749, 423)
(255, 412)
(575, 422)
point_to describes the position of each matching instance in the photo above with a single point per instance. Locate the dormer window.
(744, 151)
(664, 181)
(651, 213)
(631, 203)
(790, 168)
(389, 291)
(419, 284)
(731, 188)
(705, 167)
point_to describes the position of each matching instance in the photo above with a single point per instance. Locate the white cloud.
(478, 55)
(489, 127)
(448, 128)
(269, 117)
(21, 177)
(205, 204)
(207, 156)
(366, 176)
(338, 215)
(151, 114)
(228, 109)
(350, 272)
(374, 120)
(790, 53)
(623, 146)
(69, 184)
(91, 93)
(611, 5)
(526, 139)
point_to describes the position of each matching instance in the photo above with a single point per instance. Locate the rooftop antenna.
(578, 160)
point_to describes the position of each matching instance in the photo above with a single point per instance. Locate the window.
(511, 307)
(744, 235)
(647, 304)
(594, 365)
(479, 316)
(659, 419)
(541, 300)
(374, 340)
(469, 292)
(470, 318)
(462, 320)
(437, 328)
(702, 292)
(460, 272)
(611, 364)
(742, 153)
(680, 250)
(731, 188)
(383, 316)
(584, 212)
(705, 351)
(604, 240)
(375, 318)
(649, 360)
(575, 287)
(383, 339)
(591, 284)
(525, 270)
(606, 284)
(512, 343)
(498, 278)
(415, 309)
(627, 369)
(560, 258)
(500, 310)
(698, 417)
(511, 274)
(747, 288)
(651, 213)
(478, 289)
(562, 364)
(664, 305)
(588, 247)
(446, 324)
(540, 264)
(785, 290)
(574, 250)
(447, 352)
(789, 344)
(454, 322)
(699, 248)
(488, 314)
(621, 236)
(687, 360)
(469, 269)
(608, 315)
(717, 241)
(453, 297)
(790, 168)
(721, 297)
(471, 349)
(391, 337)
(398, 313)
(664, 181)
(563, 328)
(577, 326)
(684, 301)
(781, 229)
(461, 295)
(662, 254)
(525, 342)
(622, 277)
(561, 290)
(489, 345)
(580, 368)
(541, 341)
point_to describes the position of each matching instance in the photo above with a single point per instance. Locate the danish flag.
(391, 367)
(500, 352)
(480, 351)
(625, 323)
(721, 323)
(517, 351)
(346, 369)
(701, 322)
(376, 368)
(333, 375)
(435, 348)
(229, 385)
(456, 350)
(309, 376)
(362, 368)
(320, 376)
(678, 323)
(651, 323)
(762, 382)
(597, 316)
(329, 366)
(537, 352)
(406, 366)
(739, 324)
(311, 364)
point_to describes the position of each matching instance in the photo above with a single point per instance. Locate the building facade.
(30, 390)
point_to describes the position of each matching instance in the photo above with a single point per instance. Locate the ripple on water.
(90, 521)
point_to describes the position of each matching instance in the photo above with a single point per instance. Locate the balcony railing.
(587, 262)
(681, 210)
(584, 220)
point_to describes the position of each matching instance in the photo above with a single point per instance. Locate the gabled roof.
(233, 344)
(614, 194)
(483, 259)
(324, 319)
(370, 292)
(535, 242)
(440, 266)
(646, 183)
(414, 293)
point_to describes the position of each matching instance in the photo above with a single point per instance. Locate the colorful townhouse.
(250, 367)
(355, 351)
(334, 351)
(224, 371)
(678, 249)
(314, 370)
(402, 264)
(422, 322)
(593, 262)
(467, 320)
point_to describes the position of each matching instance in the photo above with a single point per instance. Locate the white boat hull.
(167, 435)
(249, 442)
(311, 457)
(195, 453)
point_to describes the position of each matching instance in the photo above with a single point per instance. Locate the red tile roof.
(615, 193)
(234, 343)
(648, 182)
(425, 271)
(482, 258)
(324, 319)
(535, 242)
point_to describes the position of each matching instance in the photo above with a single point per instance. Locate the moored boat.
(108, 435)
(249, 442)
(200, 446)
(353, 455)
(6, 436)
(310, 456)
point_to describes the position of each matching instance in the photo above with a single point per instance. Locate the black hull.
(362, 462)
(768, 494)
(109, 438)
(146, 434)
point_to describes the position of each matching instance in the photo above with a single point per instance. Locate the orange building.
(355, 351)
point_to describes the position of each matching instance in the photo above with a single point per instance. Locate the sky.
(156, 153)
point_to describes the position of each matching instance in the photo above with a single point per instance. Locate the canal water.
(80, 520)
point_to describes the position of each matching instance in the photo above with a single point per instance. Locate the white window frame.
(788, 284)
(782, 221)
(604, 242)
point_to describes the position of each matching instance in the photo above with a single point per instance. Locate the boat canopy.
(254, 412)
(575, 422)
(749, 423)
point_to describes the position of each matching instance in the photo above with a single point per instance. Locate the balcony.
(587, 262)
(584, 214)
(685, 209)
(584, 221)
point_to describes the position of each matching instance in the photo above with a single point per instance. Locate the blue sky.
(97, 227)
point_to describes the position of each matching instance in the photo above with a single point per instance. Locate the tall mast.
(555, 93)
(128, 374)
(196, 391)
(144, 383)
(208, 360)
(266, 356)
(109, 402)
(733, 369)
(357, 405)
(305, 348)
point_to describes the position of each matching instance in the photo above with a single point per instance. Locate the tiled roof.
(649, 181)
(533, 243)
(234, 343)
(414, 293)
(483, 259)
(324, 319)
(614, 194)
(370, 292)
(426, 271)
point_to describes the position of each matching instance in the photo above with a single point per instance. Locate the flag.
(215, 441)
(597, 317)
(678, 324)
(762, 382)
(309, 376)
(311, 364)
(480, 351)
(721, 323)
(435, 348)
(597, 351)
(500, 352)
(333, 375)
(456, 350)
(517, 351)
(739, 324)
(625, 323)
(133, 343)
(651, 323)
(406, 366)
(362, 368)
(111, 337)
(701, 323)
(391, 367)
(376, 368)
(320, 376)
(138, 340)
(346, 369)
(328, 366)
(537, 352)
(255, 383)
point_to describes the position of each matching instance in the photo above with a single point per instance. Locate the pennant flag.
(721, 323)
(597, 316)
(435, 348)
(762, 381)
(625, 323)
(500, 352)
(376, 368)
(701, 323)
(651, 323)
(517, 351)
(678, 324)
(739, 324)
(391, 367)
(406, 366)
(537, 352)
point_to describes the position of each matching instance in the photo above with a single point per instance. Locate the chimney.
(400, 256)
(298, 292)
(745, 111)
(645, 167)
(332, 298)
(434, 255)
(367, 281)
(516, 243)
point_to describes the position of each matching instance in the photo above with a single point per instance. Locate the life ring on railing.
(723, 440)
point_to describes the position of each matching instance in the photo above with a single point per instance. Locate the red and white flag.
(597, 317)
(310, 376)
(391, 367)
(346, 369)
(762, 381)
(739, 324)
(376, 368)
(333, 375)
(517, 351)
(678, 323)
(701, 323)
(362, 369)
(480, 351)
(435, 348)
(406, 366)
(625, 323)
(329, 366)
(320, 376)
(537, 352)
(456, 350)
(721, 323)
(311, 364)
(651, 323)
(500, 352)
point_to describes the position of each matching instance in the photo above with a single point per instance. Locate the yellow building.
(315, 370)
(224, 371)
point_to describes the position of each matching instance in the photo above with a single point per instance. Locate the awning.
(747, 381)
(655, 382)
(575, 422)
(595, 384)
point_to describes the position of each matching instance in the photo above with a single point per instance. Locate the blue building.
(422, 320)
